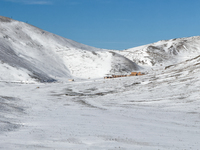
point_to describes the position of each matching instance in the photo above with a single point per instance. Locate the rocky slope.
(165, 52)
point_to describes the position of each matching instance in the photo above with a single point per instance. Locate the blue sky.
(110, 24)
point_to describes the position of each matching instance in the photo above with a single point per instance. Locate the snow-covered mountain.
(28, 53)
(165, 52)
(159, 110)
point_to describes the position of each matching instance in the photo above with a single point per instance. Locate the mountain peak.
(5, 19)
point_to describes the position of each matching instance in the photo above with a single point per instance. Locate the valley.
(41, 108)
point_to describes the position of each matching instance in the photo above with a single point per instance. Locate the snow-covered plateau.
(41, 109)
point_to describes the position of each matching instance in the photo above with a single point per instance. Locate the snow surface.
(159, 110)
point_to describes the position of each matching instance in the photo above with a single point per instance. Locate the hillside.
(30, 54)
(165, 52)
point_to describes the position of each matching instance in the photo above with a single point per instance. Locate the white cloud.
(39, 2)
(33, 2)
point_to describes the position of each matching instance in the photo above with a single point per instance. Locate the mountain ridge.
(164, 52)
(48, 57)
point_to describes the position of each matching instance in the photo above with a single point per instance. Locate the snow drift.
(30, 54)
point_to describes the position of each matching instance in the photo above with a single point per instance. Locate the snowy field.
(40, 109)
(155, 111)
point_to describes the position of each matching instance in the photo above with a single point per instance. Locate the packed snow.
(41, 109)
